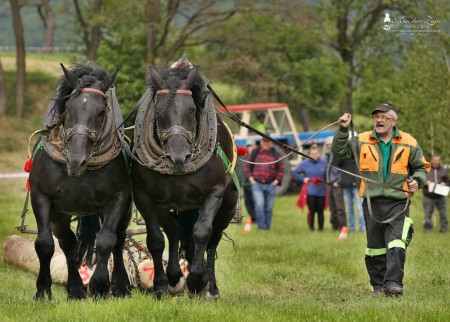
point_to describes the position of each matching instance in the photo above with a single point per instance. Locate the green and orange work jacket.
(406, 159)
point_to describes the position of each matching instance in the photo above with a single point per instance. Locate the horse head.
(84, 117)
(175, 112)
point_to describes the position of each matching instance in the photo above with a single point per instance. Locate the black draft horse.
(183, 187)
(100, 197)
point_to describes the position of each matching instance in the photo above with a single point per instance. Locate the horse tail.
(186, 220)
(88, 227)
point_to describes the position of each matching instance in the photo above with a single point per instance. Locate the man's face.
(435, 162)
(383, 123)
(314, 154)
(266, 144)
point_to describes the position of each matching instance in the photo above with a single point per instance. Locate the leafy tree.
(3, 91)
(19, 97)
(155, 33)
(351, 26)
(274, 53)
(425, 98)
(90, 18)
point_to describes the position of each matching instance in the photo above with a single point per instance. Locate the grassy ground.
(286, 274)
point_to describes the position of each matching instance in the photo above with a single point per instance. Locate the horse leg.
(177, 282)
(67, 241)
(197, 280)
(221, 220)
(99, 285)
(44, 246)
(155, 242)
(120, 283)
(213, 291)
(172, 230)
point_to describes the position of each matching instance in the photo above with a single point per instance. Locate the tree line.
(323, 59)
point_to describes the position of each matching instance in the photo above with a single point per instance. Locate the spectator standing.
(437, 175)
(247, 187)
(338, 218)
(351, 196)
(393, 157)
(264, 177)
(311, 173)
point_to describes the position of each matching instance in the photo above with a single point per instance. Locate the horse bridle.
(80, 129)
(177, 129)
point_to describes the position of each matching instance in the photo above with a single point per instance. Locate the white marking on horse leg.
(179, 288)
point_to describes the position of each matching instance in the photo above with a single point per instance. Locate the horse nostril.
(188, 158)
(83, 163)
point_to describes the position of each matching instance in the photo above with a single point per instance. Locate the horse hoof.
(161, 293)
(121, 293)
(211, 297)
(80, 295)
(40, 295)
(179, 287)
(204, 291)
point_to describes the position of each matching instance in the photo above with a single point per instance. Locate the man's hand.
(345, 120)
(413, 186)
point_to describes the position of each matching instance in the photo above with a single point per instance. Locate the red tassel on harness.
(28, 184)
(241, 151)
(28, 164)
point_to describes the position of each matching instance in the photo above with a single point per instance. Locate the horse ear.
(192, 76)
(70, 77)
(106, 84)
(156, 77)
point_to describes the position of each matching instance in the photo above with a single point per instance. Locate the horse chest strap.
(228, 165)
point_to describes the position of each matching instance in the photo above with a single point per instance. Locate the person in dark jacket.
(338, 217)
(392, 157)
(431, 200)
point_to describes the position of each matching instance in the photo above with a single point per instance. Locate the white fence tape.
(13, 175)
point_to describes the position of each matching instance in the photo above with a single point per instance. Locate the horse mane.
(88, 73)
(173, 77)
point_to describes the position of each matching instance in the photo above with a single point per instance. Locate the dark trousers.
(386, 242)
(249, 202)
(315, 205)
(428, 206)
(338, 218)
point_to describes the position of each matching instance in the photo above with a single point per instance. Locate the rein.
(284, 146)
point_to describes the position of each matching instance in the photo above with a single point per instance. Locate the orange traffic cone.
(344, 233)
(248, 226)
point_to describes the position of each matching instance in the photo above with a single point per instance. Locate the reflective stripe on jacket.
(406, 160)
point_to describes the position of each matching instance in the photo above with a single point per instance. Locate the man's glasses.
(383, 118)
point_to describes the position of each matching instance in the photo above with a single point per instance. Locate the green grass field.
(286, 274)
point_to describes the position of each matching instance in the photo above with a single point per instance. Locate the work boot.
(393, 289)
(377, 291)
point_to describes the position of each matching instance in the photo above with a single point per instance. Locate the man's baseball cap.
(385, 107)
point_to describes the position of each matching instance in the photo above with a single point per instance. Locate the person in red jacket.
(264, 174)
